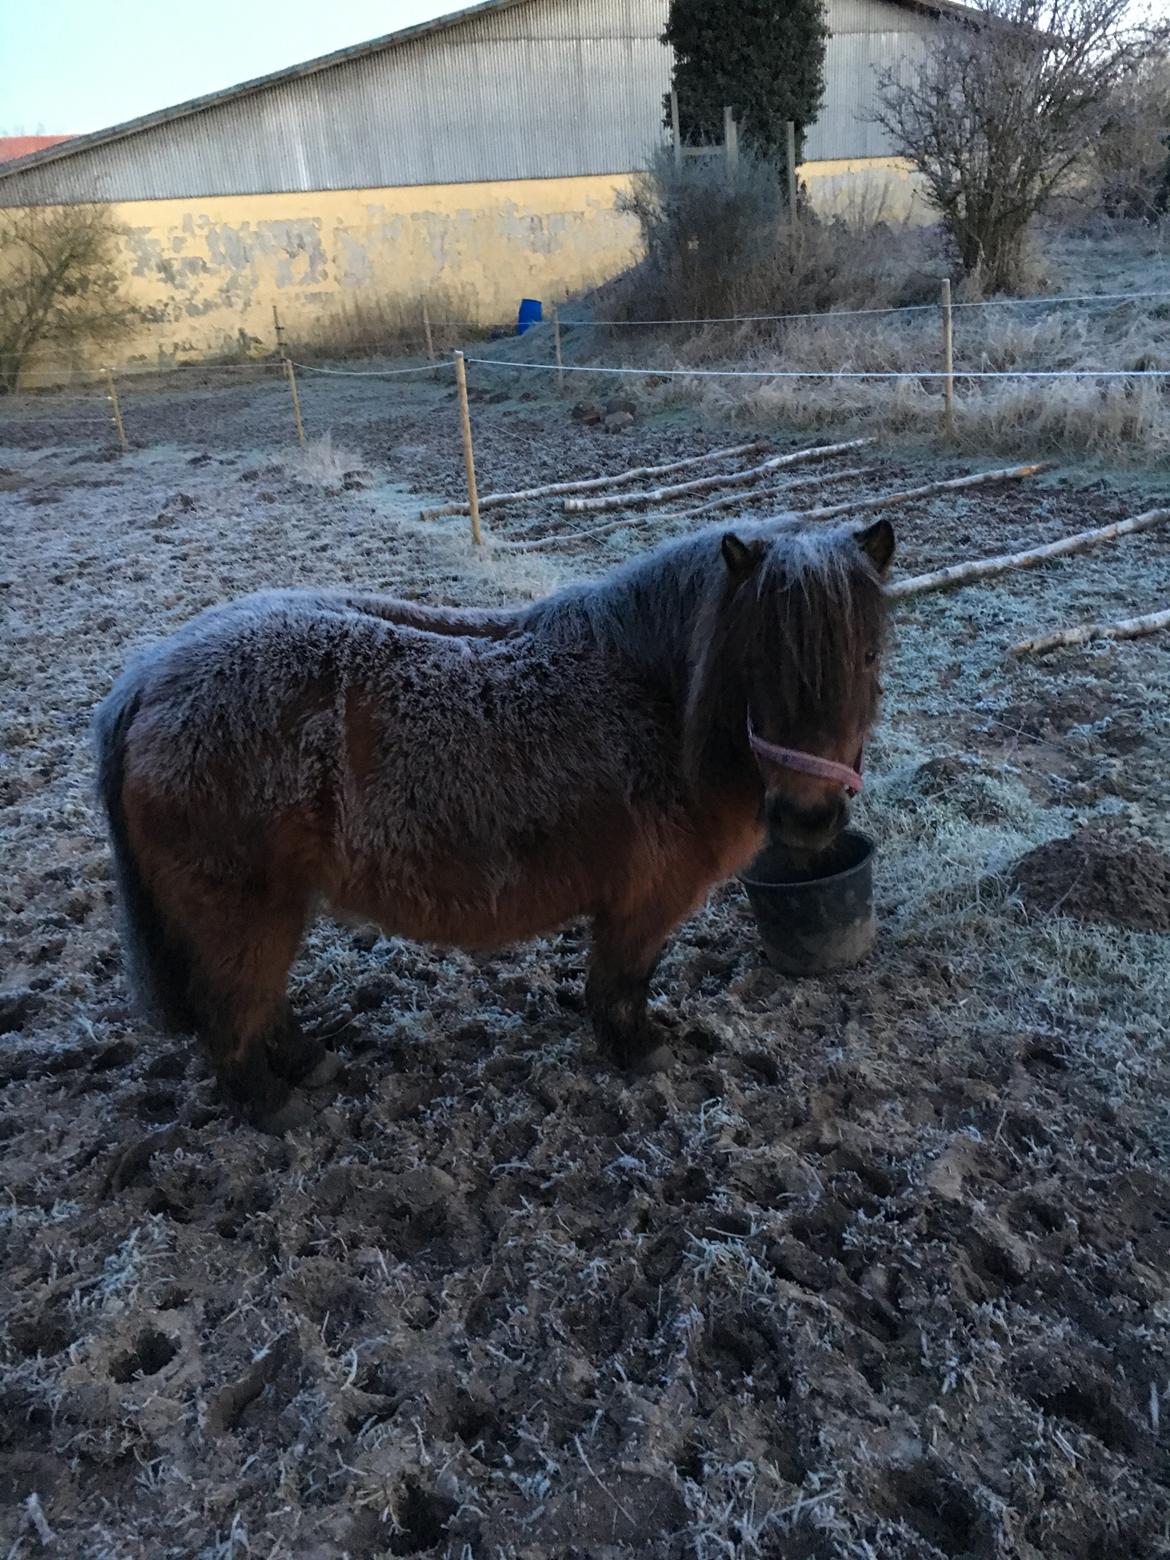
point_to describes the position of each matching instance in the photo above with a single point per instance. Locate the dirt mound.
(1098, 875)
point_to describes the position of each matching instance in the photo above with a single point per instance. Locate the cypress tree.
(764, 58)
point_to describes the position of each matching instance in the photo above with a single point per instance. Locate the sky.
(70, 66)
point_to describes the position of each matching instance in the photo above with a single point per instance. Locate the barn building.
(472, 160)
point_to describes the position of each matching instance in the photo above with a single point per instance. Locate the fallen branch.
(528, 542)
(1126, 628)
(981, 568)
(729, 500)
(663, 495)
(955, 484)
(726, 501)
(567, 538)
(592, 484)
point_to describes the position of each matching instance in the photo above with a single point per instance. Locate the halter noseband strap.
(807, 763)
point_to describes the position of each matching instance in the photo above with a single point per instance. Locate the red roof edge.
(12, 146)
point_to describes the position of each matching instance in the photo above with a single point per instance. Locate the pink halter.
(808, 763)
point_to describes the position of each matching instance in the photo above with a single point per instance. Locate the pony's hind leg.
(241, 945)
(625, 952)
(253, 1042)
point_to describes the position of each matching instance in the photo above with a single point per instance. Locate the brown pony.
(476, 778)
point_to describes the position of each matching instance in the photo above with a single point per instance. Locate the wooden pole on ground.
(790, 164)
(676, 137)
(729, 500)
(115, 409)
(1126, 628)
(468, 448)
(528, 543)
(663, 495)
(730, 144)
(430, 339)
(556, 324)
(290, 375)
(593, 484)
(948, 335)
(954, 484)
(983, 568)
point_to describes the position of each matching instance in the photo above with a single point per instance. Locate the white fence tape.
(834, 373)
(908, 308)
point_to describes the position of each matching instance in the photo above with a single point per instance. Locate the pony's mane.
(811, 601)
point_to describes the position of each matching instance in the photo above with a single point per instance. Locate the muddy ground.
(879, 1269)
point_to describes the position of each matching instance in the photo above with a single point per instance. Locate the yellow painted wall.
(874, 187)
(204, 272)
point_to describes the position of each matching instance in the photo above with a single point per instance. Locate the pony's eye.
(871, 658)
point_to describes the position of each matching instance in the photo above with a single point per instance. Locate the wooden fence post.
(730, 144)
(676, 137)
(115, 409)
(468, 447)
(556, 324)
(790, 164)
(948, 361)
(430, 339)
(290, 375)
(296, 400)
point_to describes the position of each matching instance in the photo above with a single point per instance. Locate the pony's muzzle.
(803, 826)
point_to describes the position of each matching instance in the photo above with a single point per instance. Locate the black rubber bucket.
(815, 919)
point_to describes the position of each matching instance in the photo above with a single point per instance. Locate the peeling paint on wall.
(205, 272)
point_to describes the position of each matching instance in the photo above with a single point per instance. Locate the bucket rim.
(868, 853)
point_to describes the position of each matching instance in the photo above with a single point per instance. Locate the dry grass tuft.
(321, 463)
(1120, 419)
(746, 260)
(373, 325)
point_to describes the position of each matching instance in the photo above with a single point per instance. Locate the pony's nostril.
(810, 823)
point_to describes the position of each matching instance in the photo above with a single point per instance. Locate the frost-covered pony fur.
(474, 778)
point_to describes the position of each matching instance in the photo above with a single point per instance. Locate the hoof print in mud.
(152, 1350)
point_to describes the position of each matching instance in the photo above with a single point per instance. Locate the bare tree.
(1001, 109)
(60, 283)
(1129, 162)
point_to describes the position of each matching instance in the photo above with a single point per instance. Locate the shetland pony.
(476, 778)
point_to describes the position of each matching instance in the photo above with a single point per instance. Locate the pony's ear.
(877, 542)
(740, 557)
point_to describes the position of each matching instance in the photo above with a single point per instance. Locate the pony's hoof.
(295, 1113)
(327, 1020)
(658, 1059)
(325, 1071)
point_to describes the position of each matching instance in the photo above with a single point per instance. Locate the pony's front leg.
(625, 953)
(301, 1055)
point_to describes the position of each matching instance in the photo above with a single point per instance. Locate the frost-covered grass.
(827, 1287)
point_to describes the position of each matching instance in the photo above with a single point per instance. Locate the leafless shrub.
(997, 115)
(716, 246)
(1129, 172)
(60, 283)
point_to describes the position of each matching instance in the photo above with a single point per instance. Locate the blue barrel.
(530, 314)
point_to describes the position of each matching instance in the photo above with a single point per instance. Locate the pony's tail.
(160, 964)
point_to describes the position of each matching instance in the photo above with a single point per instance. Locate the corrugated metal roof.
(275, 78)
(560, 89)
(356, 52)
